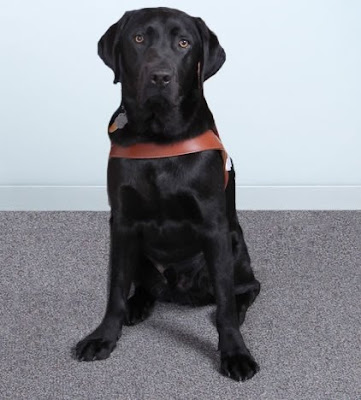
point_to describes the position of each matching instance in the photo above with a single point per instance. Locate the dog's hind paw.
(139, 307)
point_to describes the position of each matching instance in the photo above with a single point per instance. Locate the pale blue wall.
(287, 102)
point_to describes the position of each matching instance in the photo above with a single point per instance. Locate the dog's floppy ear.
(109, 49)
(213, 54)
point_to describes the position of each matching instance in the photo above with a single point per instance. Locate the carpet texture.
(303, 329)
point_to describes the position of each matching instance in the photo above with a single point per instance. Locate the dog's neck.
(160, 122)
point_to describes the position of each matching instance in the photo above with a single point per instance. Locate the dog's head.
(160, 53)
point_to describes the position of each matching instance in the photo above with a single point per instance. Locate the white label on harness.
(121, 120)
(228, 163)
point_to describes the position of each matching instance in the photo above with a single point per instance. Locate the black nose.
(160, 78)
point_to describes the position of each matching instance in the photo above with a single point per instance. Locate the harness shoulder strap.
(206, 141)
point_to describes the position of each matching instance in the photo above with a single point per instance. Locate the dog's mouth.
(157, 101)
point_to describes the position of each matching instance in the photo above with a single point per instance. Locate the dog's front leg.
(236, 360)
(124, 255)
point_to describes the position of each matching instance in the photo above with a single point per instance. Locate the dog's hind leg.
(139, 306)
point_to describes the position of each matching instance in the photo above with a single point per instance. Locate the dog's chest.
(154, 205)
(166, 201)
(167, 217)
(159, 191)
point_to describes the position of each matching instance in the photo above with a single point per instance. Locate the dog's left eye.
(139, 38)
(183, 43)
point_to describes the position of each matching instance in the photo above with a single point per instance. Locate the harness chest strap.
(206, 141)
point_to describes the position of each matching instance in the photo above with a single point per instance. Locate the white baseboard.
(94, 198)
(298, 197)
(53, 198)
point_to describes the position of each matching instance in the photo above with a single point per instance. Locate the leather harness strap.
(208, 140)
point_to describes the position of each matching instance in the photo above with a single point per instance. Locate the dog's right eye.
(139, 38)
(183, 43)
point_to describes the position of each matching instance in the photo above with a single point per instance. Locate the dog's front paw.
(90, 348)
(239, 366)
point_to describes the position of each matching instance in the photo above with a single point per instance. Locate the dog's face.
(160, 54)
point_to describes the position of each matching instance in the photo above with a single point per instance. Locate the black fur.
(174, 229)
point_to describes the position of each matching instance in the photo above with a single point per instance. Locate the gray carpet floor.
(304, 328)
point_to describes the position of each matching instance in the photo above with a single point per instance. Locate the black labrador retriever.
(174, 228)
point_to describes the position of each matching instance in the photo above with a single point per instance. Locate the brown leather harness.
(208, 140)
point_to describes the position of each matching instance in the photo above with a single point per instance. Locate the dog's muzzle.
(157, 82)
